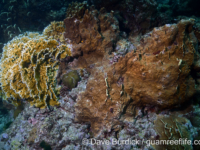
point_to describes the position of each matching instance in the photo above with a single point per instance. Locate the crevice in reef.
(122, 27)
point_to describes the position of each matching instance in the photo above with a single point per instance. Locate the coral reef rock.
(156, 74)
(96, 32)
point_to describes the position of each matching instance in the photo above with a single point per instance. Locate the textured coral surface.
(29, 66)
(94, 33)
(104, 74)
(173, 128)
(156, 74)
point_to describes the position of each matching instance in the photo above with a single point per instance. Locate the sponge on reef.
(29, 66)
(71, 79)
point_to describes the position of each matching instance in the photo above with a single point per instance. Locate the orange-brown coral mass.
(95, 31)
(156, 74)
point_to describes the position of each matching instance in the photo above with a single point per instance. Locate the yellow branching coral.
(29, 66)
(55, 30)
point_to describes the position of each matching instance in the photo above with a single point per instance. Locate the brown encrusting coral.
(157, 74)
(91, 36)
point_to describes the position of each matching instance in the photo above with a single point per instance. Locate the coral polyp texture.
(95, 33)
(156, 74)
(173, 128)
(29, 66)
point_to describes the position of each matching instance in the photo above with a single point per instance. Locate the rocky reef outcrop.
(92, 33)
(156, 74)
(92, 80)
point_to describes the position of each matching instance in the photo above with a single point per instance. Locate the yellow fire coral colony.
(29, 66)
